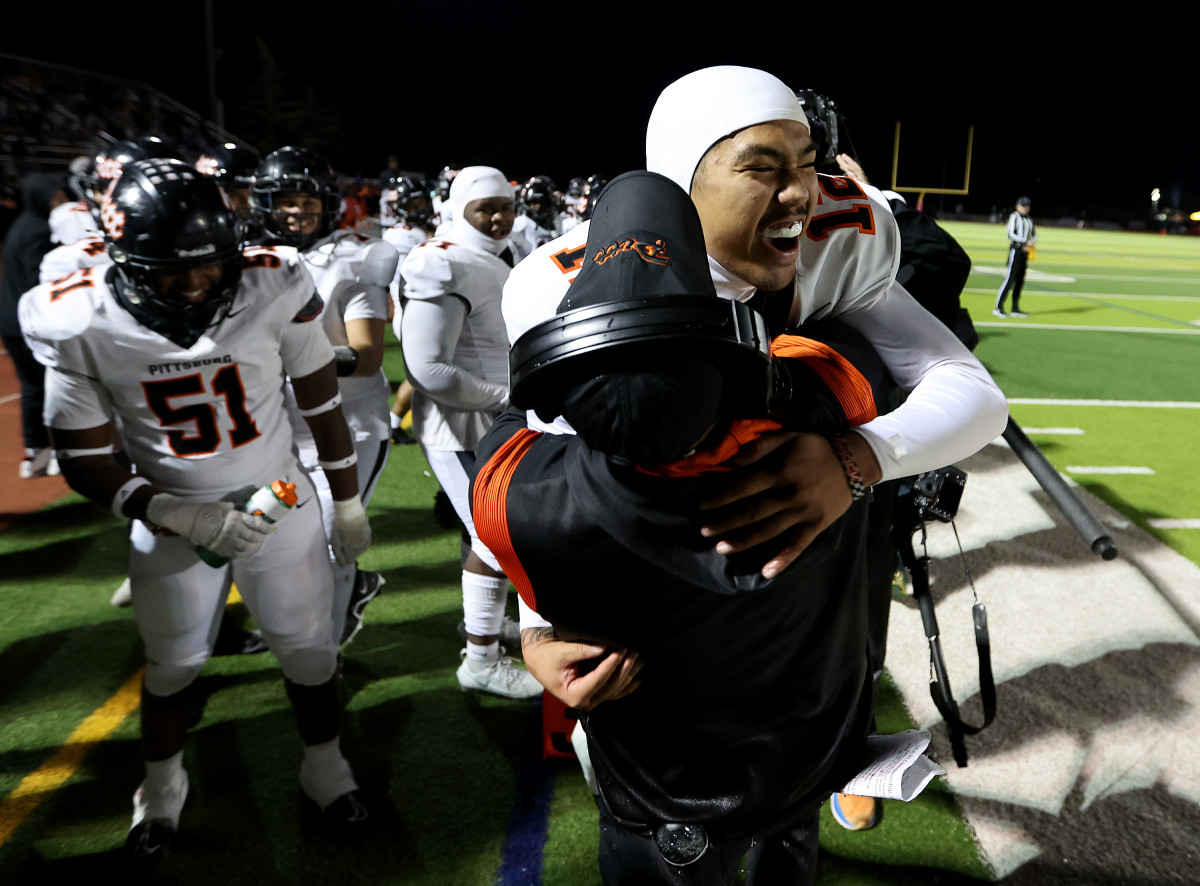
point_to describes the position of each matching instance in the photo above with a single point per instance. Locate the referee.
(1022, 235)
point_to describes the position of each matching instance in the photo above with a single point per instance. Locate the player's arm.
(85, 457)
(430, 332)
(320, 404)
(795, 485)
(366, 347)
(366, 313)
(580, 674)
(86, 460)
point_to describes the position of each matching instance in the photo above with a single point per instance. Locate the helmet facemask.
(287, 172)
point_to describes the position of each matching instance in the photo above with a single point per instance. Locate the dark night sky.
(1072, 122)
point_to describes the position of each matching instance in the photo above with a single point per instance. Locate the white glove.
(351, 532)
(215, 525)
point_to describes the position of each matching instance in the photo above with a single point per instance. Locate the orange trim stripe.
(847, 383)
(489, 501)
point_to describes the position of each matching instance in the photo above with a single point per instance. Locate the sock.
(164, 772)
(324, 773)
(479, 654)
(164, 791)
(394, 420)
(484, 597)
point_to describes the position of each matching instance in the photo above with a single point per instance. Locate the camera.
(937, 493)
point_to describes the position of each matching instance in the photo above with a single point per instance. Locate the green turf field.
(1113, 318)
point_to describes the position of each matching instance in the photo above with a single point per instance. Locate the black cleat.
(401, 437)
(149, 842)
(366, 588)
(345, 819)
(234, 640)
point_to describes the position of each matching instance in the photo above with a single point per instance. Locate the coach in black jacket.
(755, 693)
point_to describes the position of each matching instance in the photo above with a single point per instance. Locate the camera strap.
(939, 679)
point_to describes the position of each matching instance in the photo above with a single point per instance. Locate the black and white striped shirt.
(1020, 229)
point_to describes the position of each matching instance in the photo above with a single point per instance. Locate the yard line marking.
(1151, 404)
(1071, 431)
(1102, 469)
(1169, 523)
(1019, 325)
(56, 771)
(1121, 296)
(1030, 275)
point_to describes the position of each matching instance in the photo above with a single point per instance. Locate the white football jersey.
(438, 268)
(351, 272)
(62, 261)
(405, 238)
(199, 422)
(848, 256)
(849, 253)
(71, 221)
(846, 268)
(527, 235)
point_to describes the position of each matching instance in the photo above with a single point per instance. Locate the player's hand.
(851, 167)
(351, 534)
(788, 486)
(581, 675)
(216, 525)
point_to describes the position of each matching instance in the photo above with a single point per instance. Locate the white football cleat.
(502, 677)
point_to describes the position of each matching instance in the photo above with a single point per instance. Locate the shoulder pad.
(379, 260)
(56, 311)
(311, 310)
(427, 270)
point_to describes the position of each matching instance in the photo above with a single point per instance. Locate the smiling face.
(188, 285)
(298, 212)
(755, 192)
(493, 216)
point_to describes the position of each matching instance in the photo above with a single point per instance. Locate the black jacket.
(755, 694)
(27, 241)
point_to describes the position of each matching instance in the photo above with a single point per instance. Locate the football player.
(185, 340)
(296, 199)
(537, 221)
(88, 249)
(797, 246)
(456, 356)
(441, 194)
(232, 165)
(414, 224)
(73, 220)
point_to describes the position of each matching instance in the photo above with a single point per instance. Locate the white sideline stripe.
(1072, 431)
(1031, 275)
(1169, 523)
(1151, 404)
(1107, 296)
(1103, 469)
(1020, 325)
(1123, 278)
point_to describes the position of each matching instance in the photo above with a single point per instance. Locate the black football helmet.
(539, 202)
(111, 160)
(409, 202)
(232, 165)
(295, 169)
(444, 180)
(164, 216)
(591, 193)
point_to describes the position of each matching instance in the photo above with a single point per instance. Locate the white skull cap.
(698, 110)
(476, 183)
